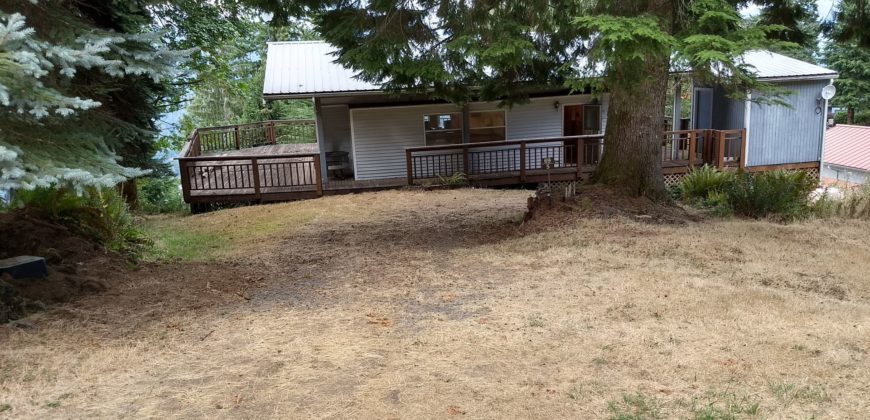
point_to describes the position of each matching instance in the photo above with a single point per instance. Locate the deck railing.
(515, 160)
(521, 161)
(245, 136)
(249, 177)
(234, 178)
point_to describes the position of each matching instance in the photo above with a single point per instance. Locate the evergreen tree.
(850, 23)
(852, 62)
(799, 25)
(80, 83)
(503, 50)
(222, 82)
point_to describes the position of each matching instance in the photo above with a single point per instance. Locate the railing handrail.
(265, 122)
(192, 147)
(246, 157)
(501, 143)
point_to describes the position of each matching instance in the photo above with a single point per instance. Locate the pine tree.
(852, 61)
(504, 50)
(79, 86)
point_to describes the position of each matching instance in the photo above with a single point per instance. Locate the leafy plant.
(458, 179)
(99, 214)
(785, 194)
(160, 195)
(699, 183)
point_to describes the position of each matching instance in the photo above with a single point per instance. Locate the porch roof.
(304, 69)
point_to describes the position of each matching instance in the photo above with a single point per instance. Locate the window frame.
(460, 129)
(503, 126)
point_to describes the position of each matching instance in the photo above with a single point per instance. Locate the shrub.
(160, 195)
(698, 184)
(852, 203)
(458, 179)
(101, 215)
(785, 194)
(782, 194)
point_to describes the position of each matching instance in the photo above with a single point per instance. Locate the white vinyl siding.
(381, 134)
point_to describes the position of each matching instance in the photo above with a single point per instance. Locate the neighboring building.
(847, 155)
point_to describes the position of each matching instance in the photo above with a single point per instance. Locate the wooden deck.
(250, 163)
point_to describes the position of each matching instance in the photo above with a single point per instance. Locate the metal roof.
(848, 145)
(770, 65)
(308, 68)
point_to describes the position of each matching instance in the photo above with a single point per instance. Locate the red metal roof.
(848, 145)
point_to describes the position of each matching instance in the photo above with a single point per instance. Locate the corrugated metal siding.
(380, 135)
(779, 134)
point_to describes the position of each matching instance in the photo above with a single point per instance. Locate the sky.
(824, 6)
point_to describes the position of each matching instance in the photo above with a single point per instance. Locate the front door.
(572, 122)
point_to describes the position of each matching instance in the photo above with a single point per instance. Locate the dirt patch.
(77, 266)
(597, 201)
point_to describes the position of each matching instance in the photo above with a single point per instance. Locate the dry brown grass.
(410, 304)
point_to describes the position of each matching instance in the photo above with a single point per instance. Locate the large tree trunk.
(633, 139)
(850, 115)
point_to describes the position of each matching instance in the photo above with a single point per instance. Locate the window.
(591, 119)
(486, 126)
(443, 128)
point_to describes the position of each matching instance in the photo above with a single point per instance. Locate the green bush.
(160, 195)
(781, 194)
(698, 184)
(101, 215)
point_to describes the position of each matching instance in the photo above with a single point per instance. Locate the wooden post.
(523, 162)
(581, 145)
(184, 172)
(720, 159)
(256, 178)
(319, 180)
(410, 166)
(743, 149)
(693, 147)
(271, 132)
(236, 134)
(465, 162)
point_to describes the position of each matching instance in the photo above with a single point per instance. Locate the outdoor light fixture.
(556, 105)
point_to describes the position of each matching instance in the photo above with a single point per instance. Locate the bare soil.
(411, 304)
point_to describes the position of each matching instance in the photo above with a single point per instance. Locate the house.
(847, 155)
(368, 138)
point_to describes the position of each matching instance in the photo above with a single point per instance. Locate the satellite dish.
(828, 92)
